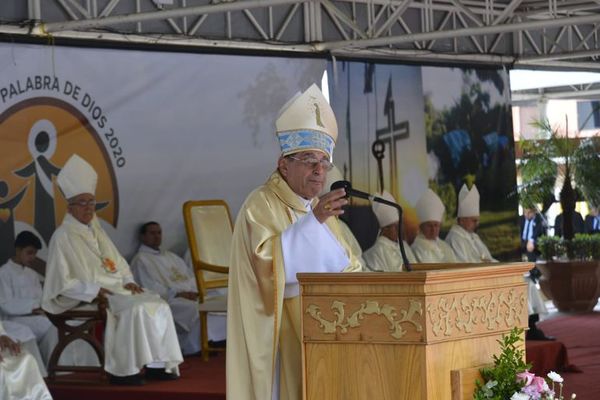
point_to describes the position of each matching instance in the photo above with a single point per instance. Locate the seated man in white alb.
(467, 245)
(21, 299)
(167, 274)
(84, 266)
(21, 334)
(385, 254)
(21, 294)
(20, 377)
(428, 247)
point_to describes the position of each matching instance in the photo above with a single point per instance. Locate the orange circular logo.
(38, 136)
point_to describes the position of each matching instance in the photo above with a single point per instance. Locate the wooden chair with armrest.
(79, 323)
(209, 231)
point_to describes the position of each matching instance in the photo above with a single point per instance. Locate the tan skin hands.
(530, 246)
(103, 292)
(134, 288)
(6, 343)
(330, 205)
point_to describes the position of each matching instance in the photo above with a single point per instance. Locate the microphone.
(347, 186)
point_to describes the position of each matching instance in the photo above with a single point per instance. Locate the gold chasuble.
(263, 328)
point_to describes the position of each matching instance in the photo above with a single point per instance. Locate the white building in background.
(577, 114)
(568, 100)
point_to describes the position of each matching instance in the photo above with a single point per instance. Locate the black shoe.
(537, 334)
(129, 380)
(219, 344)
(159, 374)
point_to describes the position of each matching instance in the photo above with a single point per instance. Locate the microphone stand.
(400, 239)
(357, 193)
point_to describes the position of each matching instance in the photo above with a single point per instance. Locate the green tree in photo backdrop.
(473, 141)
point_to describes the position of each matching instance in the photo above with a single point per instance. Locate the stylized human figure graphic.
(42, 144)
(7, 221)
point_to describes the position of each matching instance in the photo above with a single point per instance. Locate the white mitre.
(468, 202)
(306, 122)
(77, 177)
(385, 214)
(430, 207)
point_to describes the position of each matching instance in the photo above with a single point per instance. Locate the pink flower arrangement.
(537, 388)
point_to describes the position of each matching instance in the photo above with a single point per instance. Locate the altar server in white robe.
(428, 247)
(23, 335)
(21, 294)
(385, 254)
(466, 244)
(85, 266)
(167, 274)
(21, 299)
(20, 376)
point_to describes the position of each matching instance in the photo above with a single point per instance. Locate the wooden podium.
(398, 336)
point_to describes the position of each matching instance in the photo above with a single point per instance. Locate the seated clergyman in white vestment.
(283, 229)
(466, 244)
(167, 274)
(385, 253)
(469, 248)
(84, 266)
(20, 376)
(428, 247)
(21, 299)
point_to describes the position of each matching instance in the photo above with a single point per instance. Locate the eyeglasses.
(312, 162)
(83, 203)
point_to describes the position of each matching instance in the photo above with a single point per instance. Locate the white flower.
(555, 377)
(491, 384)
(519, 396)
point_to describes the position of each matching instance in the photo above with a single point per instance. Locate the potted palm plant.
(573, 284)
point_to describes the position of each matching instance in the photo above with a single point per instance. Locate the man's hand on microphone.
(330, 205)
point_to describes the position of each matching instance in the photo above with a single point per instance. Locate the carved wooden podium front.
(398, 336)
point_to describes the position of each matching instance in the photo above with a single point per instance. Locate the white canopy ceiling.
(518, 33)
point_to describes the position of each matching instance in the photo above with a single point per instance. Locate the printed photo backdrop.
(409, 128)
(163, 128)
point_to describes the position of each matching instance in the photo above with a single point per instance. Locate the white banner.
(159, 128)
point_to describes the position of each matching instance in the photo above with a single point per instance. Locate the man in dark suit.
(532, 227)
(592, 221)
(577, 224)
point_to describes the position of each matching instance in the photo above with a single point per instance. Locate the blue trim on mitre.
(295, 141)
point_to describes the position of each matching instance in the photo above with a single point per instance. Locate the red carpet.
(199, 381)
(581, 336)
